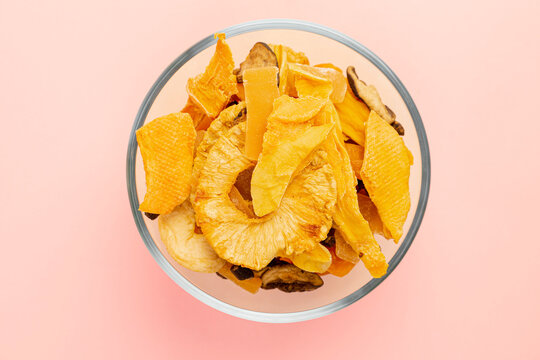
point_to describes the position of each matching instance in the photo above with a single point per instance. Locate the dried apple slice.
(189, 249)
(166, 145)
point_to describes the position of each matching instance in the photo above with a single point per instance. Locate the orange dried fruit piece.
(370, 213)
(356, 154)
(260, 86)
(344, 250)
(348, 220)
(177, 231)
(211, 90)
(198, 116)
(385, 173)
(329, 66)
(166, 145)
(353, 114)
(252, 285)
(299, 224)
(319, 82)
(316, 260)
(279, 162)
(339, 267)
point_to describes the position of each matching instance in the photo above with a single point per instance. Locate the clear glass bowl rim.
(287, 24)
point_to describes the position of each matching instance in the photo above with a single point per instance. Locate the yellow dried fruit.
(229, 117)
(285, 56)
(353, 114)
(370, 213)
(356, 154)
(166, 145)
(317, 260)
(189, 249)
(211, 90)
(344, 250)
(385, 172)
(318, 82)
(347, 217)
(298, 225)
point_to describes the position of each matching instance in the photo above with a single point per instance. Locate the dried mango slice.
(353, 114)
(317, 260)
(347, 217)
(356, 154)
(229, 117)
(197, 114)
(212, 89)
(329, 66)
(166, 145)
(260, 85)
(300, 223)
(339, 267)
(252, 285)
(189, 249)
(385, 172)
(318, 82)
(344, 250)
(370, 213)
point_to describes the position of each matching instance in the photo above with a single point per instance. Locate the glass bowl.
(321, 45)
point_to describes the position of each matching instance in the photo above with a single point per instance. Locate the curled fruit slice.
(166, 145)
(289, 278)
(385, 173)
(189, 249)
(211, 90)
(317, 260)
(299, 224)
(319, 82)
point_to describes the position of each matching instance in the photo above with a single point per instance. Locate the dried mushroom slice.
(370, 95)
(260, 55)
(288, 278)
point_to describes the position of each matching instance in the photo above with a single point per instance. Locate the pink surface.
(78, 282)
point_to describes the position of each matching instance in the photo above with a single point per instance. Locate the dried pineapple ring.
(227, 119)
(298, 225)
(189, 249)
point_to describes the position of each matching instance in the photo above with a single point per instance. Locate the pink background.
(76, 279)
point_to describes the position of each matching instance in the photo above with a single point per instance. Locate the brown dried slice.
(260, 55)
(370, 95)
(252, 285)
(289, 278)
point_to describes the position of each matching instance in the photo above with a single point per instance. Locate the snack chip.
(166, 145)
(385, 173)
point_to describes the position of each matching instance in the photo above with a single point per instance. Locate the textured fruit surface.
(166, 145)
(385, 173)
(260, 86)
(298, 225)
(189, 249)
(211, 90)
(353, 114)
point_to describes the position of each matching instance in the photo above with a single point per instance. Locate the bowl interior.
(319, 49)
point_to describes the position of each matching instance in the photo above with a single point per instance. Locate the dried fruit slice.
(285, 56)
(347, 218)
(356, 154)
(289, 278)
(279, 162)
(260, 85)
(371, 97)
(339, 267)
(191, 250)
(252, 285)
(260, 55)
(370, 213)
(211, 90)
(319, 82)
(197, 114)
(227, 119)
(316, 260)
(300, 223)
(353, 114)
(385, 173)
(344, 250)
(166, 145)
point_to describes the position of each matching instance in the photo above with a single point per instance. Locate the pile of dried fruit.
(257, 177)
